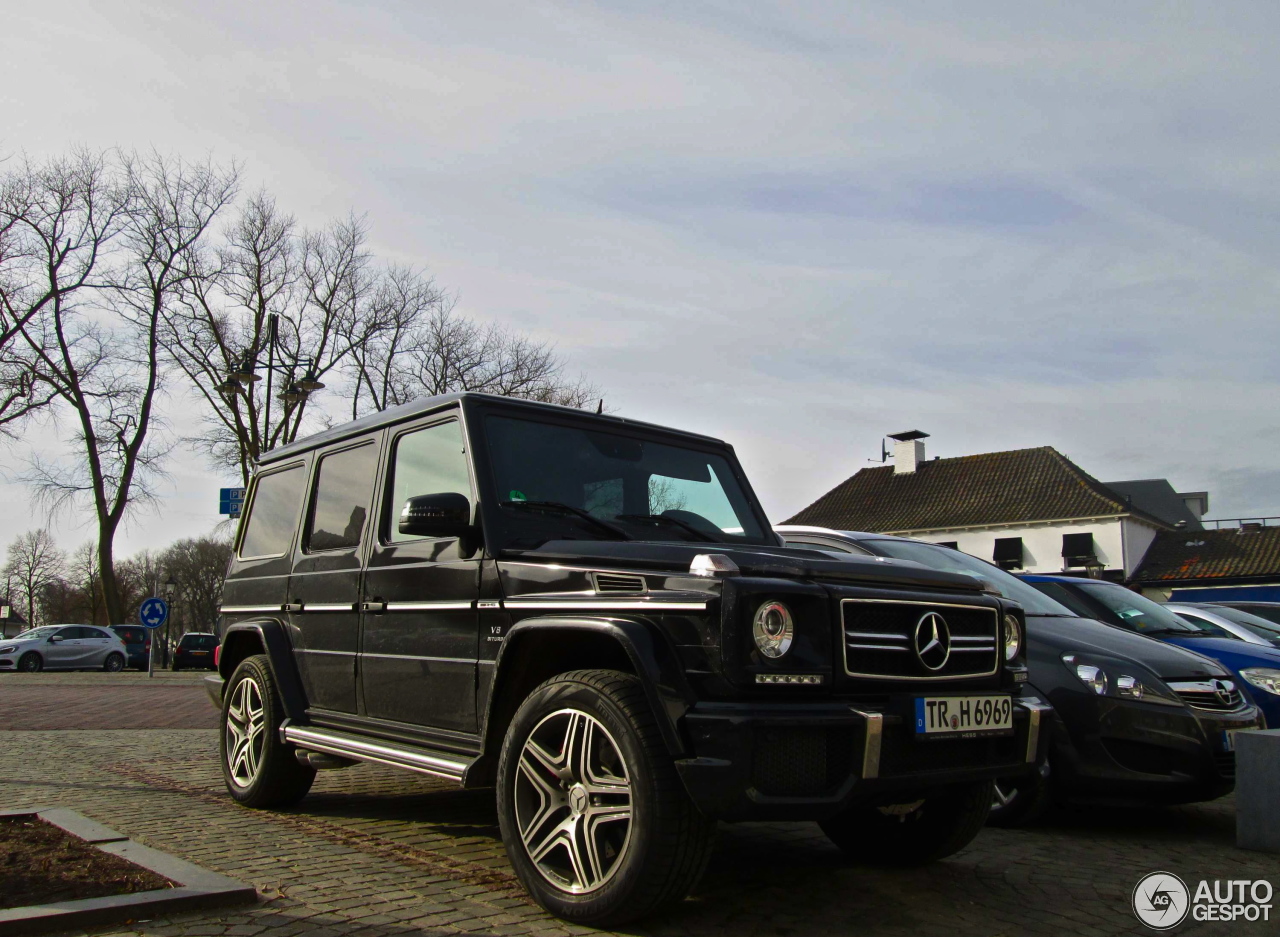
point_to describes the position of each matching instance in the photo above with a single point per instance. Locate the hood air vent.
(618, 583)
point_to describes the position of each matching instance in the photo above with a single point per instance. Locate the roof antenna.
(600, 406)
(884, 453)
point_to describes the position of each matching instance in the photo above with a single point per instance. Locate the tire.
(583, 763)
(114, 663)
(258, 769)
(174, 667)
(919, 829)
(31, 662)
(1018, 801)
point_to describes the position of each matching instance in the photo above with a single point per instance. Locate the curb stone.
(199, 889)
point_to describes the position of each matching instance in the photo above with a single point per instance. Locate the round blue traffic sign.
(153, 612)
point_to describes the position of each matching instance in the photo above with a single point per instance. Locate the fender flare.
(271, 634)
(652, 657)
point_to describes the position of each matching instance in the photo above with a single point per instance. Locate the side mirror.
(447, 514)
(55, 639)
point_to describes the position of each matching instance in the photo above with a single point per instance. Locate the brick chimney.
(908, 450)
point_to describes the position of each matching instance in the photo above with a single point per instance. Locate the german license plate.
(963, 715)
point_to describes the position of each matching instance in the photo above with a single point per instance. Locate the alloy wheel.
(573, 801)
(246, 724)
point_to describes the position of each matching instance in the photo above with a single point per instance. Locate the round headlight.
(1012, 637)
(1092, 677)
(773, 629)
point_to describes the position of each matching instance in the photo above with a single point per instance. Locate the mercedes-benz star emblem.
(1222, 689)
(933, 641)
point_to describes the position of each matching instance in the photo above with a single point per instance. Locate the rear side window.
(273, 516)
(130, 635)
(344, 488)
(426, 462)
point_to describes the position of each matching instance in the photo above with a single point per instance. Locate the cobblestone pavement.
(129, 700)
(382, 853)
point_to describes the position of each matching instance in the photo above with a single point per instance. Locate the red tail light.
(146, 646)
(217, 653)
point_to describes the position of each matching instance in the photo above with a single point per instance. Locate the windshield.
(1262, 627)
(1136, 611)
(557, 482)
(43, 632)
(945, 558)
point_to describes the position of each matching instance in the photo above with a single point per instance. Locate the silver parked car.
(1234, 622)
(64, 647)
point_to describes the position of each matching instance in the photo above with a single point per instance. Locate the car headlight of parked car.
(1125, 685)
(9, 649)
(1012, 637)
(1264, 678)
(773, 628)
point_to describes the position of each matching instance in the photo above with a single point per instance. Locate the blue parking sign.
(230, 501)
(153, 612)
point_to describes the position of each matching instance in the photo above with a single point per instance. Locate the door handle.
(292, 606)
(373, 606)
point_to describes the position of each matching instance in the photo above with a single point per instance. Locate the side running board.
(362, 748)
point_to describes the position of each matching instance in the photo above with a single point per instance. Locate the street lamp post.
(296, 390)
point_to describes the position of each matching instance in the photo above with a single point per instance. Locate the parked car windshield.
(1136, 611)
(1262, 627)
(42, 632)
(1011, 587)
(558, 482)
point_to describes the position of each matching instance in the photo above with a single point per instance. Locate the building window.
(953, 544)
(1008, 552)
(1078, 550)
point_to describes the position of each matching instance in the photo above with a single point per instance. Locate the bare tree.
(58, 222)
(197, 567)
(33, 562)
(99, 351)
(85, 575)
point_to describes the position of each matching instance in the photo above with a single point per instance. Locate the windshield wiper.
(1185, 632)
(559, 507)
(673, 521)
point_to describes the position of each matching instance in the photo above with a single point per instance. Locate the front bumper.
(213, 685)
(798, 761)
(1103, 749)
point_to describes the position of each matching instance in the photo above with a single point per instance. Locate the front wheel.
(114, 663)
(258, 768)
(922, 828)
(595, 819)
(31, 662)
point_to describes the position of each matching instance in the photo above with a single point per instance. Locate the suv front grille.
(880, 640)
(1215, 696)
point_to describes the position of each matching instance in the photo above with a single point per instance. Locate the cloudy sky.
(795, 226)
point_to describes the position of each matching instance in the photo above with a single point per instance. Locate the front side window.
(426, 462)
(1206, 628)
(344, 488)
(557, 482)
(273, 515)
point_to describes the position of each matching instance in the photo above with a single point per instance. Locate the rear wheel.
(595, 819)
(916, 831)
(114, 663)
(258, 768)
(31, 662)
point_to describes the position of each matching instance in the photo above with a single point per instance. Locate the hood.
(1166, 661)
(775, 562)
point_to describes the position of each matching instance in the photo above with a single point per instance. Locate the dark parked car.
(195, 650)
(1134, 719)
(1256, 668)
(593, 615)
(137, 642)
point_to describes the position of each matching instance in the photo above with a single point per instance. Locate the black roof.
(1156, 496)
(1018, 486)
(423, 405)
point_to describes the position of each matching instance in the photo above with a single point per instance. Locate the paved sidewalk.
(382, 853)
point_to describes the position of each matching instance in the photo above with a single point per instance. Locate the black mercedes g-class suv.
(593, 615)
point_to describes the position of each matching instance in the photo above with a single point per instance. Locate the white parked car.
(64, 647)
